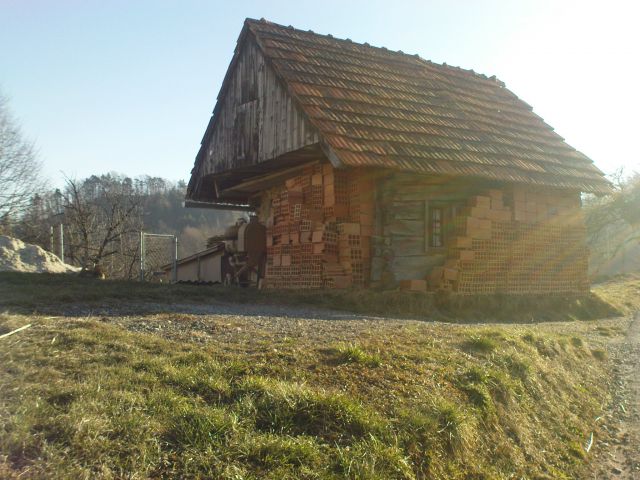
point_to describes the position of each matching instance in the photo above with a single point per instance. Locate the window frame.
(436, 227)
(448, 210)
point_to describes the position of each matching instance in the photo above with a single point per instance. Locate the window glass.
(436, 219)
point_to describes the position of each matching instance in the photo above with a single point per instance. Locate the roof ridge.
(398, 53)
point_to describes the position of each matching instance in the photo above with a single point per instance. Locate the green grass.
(82, 397)
(352, 353)
(86, 399)
(480, 344)
(623, 292)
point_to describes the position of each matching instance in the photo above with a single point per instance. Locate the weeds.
(480, 344)
(577, 342)
(352, 353)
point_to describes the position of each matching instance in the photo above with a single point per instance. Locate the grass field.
(259, 396)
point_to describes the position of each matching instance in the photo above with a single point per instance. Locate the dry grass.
(622, 291)
(17, 291)
(86, 398)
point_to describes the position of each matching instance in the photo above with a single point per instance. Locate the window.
(436, 227)
(439, 222)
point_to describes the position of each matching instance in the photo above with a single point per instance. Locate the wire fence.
(158, 257)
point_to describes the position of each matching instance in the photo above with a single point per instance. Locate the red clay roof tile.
(376, 107)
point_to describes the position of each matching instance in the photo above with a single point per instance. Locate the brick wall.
(319, 225)
(517, 241)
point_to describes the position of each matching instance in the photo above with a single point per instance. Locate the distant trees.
(622, 205)
(43, 212)
(19, 169)
(613, 221)
(103, 215)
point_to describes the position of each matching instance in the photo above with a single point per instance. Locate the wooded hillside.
(102, 217)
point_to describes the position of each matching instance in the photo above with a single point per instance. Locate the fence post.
(175, 259)
(62, 242)
(142, 256)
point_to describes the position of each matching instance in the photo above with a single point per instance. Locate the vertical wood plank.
(427, 226)
(273, 125)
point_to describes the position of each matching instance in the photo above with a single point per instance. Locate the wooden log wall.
(401, 248)
(497, 239)
(257, 119)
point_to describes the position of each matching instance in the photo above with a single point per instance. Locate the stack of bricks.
(318, 230)
(521, 242)
(532, 206)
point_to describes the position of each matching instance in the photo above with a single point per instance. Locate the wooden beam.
(264, 181)
(331, 155)
(217, 206)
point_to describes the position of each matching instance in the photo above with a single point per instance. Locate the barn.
(376, 168)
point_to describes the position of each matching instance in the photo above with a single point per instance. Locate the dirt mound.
(17, 256)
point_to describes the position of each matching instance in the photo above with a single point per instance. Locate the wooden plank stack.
(523, 242)
(319, 229)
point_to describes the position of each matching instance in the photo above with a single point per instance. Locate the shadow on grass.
(71, 295)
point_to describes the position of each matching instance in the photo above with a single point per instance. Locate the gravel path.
(621, 456)
(231, 325)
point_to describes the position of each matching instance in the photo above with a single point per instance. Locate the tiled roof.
(376, 107)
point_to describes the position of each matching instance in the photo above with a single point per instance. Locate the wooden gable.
(255, 119)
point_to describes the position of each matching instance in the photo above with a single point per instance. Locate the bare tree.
(614, 220)
(103, 217)
(19, 167)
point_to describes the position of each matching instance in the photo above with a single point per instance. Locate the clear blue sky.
(128, 86)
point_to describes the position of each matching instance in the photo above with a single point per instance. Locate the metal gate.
(158, 253)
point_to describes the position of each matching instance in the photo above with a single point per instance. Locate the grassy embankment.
(33, 292)
(84, 398)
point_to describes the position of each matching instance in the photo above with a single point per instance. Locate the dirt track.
(620, 457)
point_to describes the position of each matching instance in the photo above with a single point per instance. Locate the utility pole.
(52, 245)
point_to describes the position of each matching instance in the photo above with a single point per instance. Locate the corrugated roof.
(376, 107)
